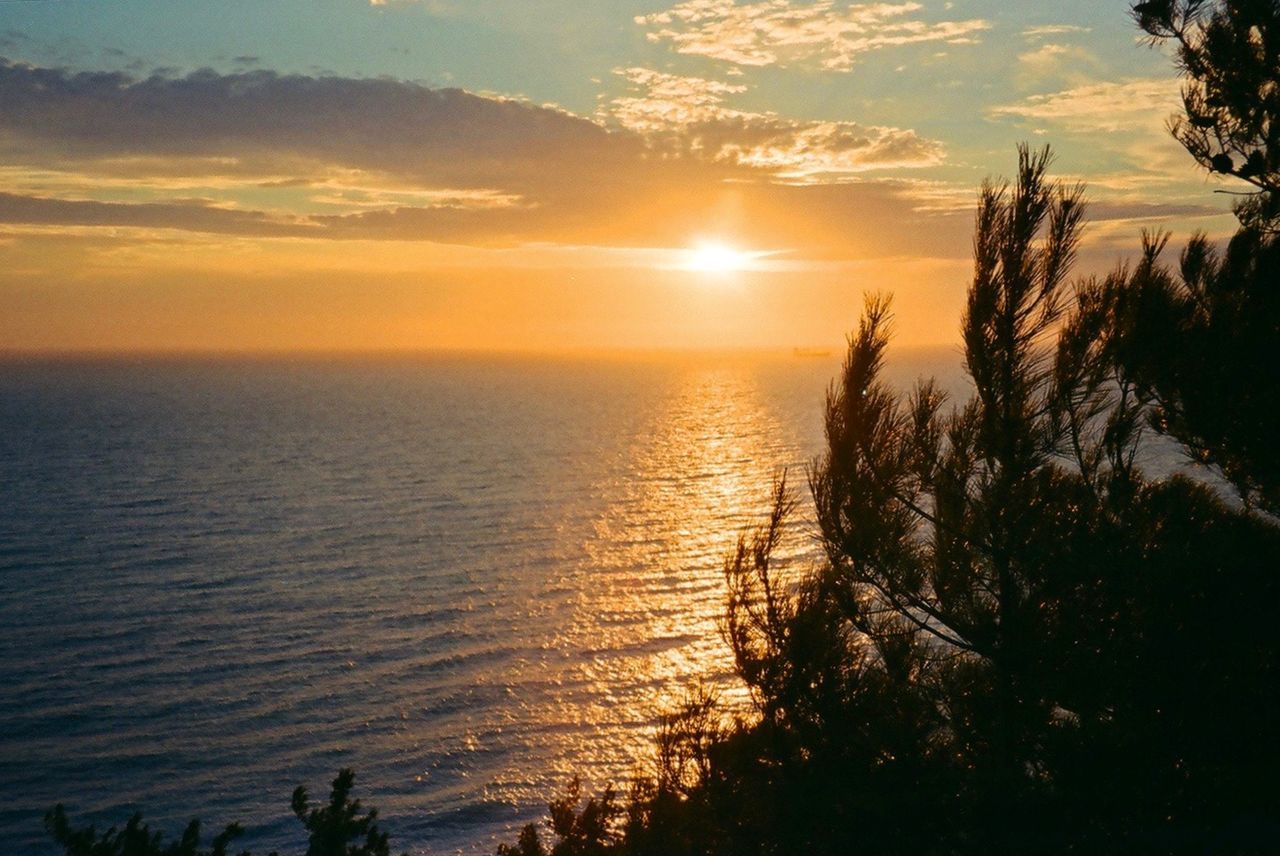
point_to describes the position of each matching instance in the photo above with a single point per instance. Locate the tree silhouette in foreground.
(1202, 340)
(591, 830)
(1229, 53)
(136, 839)
(338, 829)
(335, 829)
(1016, 642)
(1078, 627)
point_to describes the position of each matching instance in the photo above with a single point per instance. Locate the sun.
(717, 258)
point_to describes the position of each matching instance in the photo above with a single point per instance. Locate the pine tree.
(1229, 53)
(1017, 643)
(1201, 341)
(335, 829)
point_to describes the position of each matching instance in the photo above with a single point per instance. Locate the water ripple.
(467, 578)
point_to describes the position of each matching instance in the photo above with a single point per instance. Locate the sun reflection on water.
(646, 603)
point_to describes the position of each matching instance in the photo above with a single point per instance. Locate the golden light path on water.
(643, 628)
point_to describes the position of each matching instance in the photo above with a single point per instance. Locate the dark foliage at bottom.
(335, 829)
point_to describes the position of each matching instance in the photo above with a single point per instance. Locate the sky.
(541, 175)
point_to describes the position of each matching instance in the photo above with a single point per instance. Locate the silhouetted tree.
(592, 830)
(1201, 342)
(1016, 642)
(336, 829)
(136, 839)
(1229, 52)
(1038, 611)
(974, 550)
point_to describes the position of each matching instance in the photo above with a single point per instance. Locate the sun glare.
(718, 258)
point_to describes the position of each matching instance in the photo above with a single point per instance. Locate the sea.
(469, 578)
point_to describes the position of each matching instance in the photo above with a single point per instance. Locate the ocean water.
(468, 578)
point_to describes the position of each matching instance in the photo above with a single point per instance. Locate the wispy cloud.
(937, 196)
(1107, 107)
(260, 155)
(1045, 30)
(1071, 62)
(664, 102)
(778, 32)
(186, 215)
(691, 115)
(1124, 125)
(439, 8)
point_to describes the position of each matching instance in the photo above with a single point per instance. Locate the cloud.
(1044, 30)
(1125, 211)
(1052, 58)
(690, 114)
(262, 155)
(194, 216)
(1125, 127)
(435, 8)
(1100, 107)
(777, 32)
(938, 196)
(868, 220)
(266, 121)
(666, 102)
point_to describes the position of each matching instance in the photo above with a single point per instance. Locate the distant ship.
(810, 352)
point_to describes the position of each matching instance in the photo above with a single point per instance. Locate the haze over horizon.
(537, 176)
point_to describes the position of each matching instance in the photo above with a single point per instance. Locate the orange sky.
(156, 195)
(218, 294)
